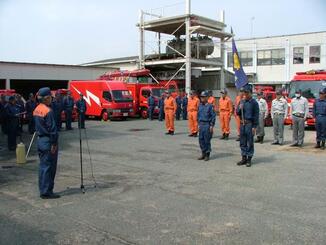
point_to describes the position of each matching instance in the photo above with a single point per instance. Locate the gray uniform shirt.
(300, 106)
(279, 106)
(263, 108)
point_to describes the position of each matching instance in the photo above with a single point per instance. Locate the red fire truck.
(309, 83)
(140, 84)
(269, 95)
(105, 99)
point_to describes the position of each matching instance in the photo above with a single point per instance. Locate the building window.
(271, 57)
(298, 54)
(245, 58)
(314, 54)
(264, 57)
(278, 56)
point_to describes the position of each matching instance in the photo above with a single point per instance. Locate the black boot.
(203, 155)
(248, 163)
(261, 139)
(322, 145)
(222, 137)
(226, 136)
(258, 139)
(194, 134)
(243, 161)
(207, 157)
(317, 145)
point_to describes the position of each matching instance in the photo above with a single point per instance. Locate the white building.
(275, 59)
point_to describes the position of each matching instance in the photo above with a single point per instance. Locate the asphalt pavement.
(144, 187)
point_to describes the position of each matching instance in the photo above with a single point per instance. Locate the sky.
(80, 31)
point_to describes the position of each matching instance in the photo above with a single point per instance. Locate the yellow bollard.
(20, 153)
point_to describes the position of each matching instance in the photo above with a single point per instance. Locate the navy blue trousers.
(205, 137)
(150, 112)
(161, 114)
(321, 128)
(31, 124)
(246, 140)
(12, 132)
(48, 166)
(178, 113)
(184, 114)
(81, 120)
(68, 119)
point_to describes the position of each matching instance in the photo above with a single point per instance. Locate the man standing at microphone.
(47, 143)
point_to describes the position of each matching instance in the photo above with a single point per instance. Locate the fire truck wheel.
(143, 113)
(105, 116)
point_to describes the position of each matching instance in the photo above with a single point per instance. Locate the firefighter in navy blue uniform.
(161, 107)
(3, 103)
(151, 106)
(12, 115)
(47, 143)
(206, 122)
(58, 105)
(21, 106)
(30, 106)
(248, 111)
(319, 112)
(184, 106)
(68, 105)
(178, 101)
(81, 108)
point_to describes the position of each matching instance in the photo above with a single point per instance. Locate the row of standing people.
(13, 109)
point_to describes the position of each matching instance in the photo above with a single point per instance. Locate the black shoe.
(202, 156)
(261, 139)
(226, 136)
(243, 161)
(275, 143)
(322, 145)
(258, 139)
(294, 145)
(191, 135)
(207, 157)
(167, 133)
(248, 163)
(50, 196)
(194, 135)
(222, 137)
(171, 132)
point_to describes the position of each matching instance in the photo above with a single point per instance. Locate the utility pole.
(222, 77)
(141, 39)
(188, 47)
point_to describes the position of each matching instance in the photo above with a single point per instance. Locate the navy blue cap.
(204, 94)
(298, 91)
(247, 88)
(322, 91)
(224, 91)
(44, 92)
(11, 98)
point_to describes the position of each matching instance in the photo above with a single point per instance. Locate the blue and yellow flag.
(240, 76)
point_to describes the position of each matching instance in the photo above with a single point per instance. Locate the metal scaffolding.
(189, 26)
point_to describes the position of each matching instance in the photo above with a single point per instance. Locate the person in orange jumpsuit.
(237, 118)
(212, 100)
(170, 107)
(225, 112)
(192, 110)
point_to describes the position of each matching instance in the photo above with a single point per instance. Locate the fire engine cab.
(309, 83)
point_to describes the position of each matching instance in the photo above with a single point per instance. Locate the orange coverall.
(192, 109)
(211, 100)
(225, 110)
(170, 107)
(237, 118)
